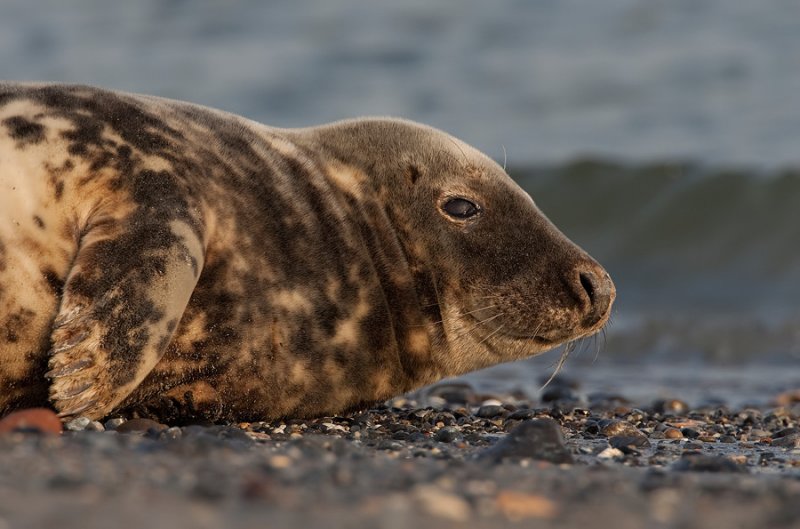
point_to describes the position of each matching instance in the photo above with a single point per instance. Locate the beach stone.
(788, 441)
(690, 433)
(614, 427)
(697, 462)
(670, 406)
(518, 506)
(673, 433)
(140, 426)
(113, 424)
(785, 432)
(539, 439)
(628, 444)
(489, 411)
(78, 424)
(522, 414)
(442, 504)
(36, 420)
(558, 392)
(447, 434)
(453, 393)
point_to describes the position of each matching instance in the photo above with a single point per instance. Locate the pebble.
(442, 504)
(697, 462)
(539, 439)
(787, 441)
(113, 424)
(78, 424)
(614, 427)
(628, 444)
(558, 393)
(447, 434)
(140, 426)
(488, 411)
(670, 406)
(518, 506)
(673, 433)
(35, 420)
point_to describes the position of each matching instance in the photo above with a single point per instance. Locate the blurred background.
(662, 136)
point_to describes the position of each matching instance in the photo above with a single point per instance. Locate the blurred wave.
(706, 260)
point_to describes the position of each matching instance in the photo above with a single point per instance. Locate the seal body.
(162, 258)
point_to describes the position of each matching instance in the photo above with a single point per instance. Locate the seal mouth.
(545, 339)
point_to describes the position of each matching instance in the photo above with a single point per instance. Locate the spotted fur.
(162, 258)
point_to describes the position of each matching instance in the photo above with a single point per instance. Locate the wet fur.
(161, 258)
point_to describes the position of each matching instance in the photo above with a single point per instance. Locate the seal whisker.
(457, 316)
(491, 333)
(487, 320)
(568, 348)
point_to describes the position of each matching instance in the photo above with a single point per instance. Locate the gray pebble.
(536, 439)
(447, 435)
(78, 424)
(113, 424)
(696, 462)
(489, 411)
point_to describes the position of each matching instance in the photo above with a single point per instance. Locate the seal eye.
(460, 208)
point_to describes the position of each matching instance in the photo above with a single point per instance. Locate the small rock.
(785, 432)
(78, 424)
(670, 406)
(610, 453)
(520, 505)
(536, 439)
(37, 420)
(627, 444)
(558, 392)
(440, 503)
(690, 433)
(727, 439)
(613, 427)
(788, 441)
(447, 434)
(453, 392)
(95, 426)
(673, 433)
(489, 411)
(696, 462)
(113, 424)
(522, 414)
(141, 426)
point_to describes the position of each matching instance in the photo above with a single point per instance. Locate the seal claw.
(70, 393)
(70, 343)
(69, 369)
(75, 411)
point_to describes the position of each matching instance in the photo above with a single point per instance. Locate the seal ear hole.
(413, 173)
(460, 208)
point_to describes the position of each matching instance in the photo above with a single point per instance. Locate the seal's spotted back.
(163, 258)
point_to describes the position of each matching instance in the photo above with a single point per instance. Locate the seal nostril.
(588, 282)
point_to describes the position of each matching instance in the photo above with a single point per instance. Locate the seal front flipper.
(123, 298)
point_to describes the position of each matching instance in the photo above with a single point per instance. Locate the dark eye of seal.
(460, 208)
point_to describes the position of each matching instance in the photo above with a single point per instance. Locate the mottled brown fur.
(178, 261)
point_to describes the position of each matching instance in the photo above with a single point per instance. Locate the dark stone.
(690, 433)
(627, 444)
(539, 439)
(557, 393)
(447, 435)
(614, 427)
(141, 426)
(489, 411)
(670, 406)
(697, 462)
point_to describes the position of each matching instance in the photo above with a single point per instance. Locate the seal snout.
(594, 287)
